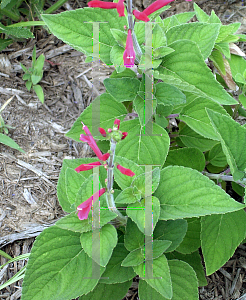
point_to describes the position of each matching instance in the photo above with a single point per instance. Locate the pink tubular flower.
(125, 171)
(143, 16)
(129, 53)
(109, 5)
(117, 123)
(86, 167)
(124, 135)
(85, 207)
(88, 138)
(102, 131)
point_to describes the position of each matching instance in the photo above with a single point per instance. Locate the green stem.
(10, 14)
(55, 6)
(224, 177)
(110, 180)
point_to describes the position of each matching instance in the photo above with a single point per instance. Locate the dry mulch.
(28, 201)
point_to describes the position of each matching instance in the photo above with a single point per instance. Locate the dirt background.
(28, 201)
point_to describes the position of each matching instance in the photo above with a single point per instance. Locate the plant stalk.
(224, 177)
(110, 180)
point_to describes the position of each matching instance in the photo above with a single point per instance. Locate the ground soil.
(28, 201)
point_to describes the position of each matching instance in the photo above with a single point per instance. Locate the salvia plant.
(153, 201)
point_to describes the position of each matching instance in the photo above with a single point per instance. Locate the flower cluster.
(115, 135)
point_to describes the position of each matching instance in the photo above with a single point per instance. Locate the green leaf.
(194, 260)
(39, 91)
(226, 30)
(167, 94)
(29, 85)
(158, 37)
(184, 281)
(126, 73)
(73, 182)
(75, 28)
(144, 110)
(104, 106)
(73, 223)
(200, 14)
(237, 65)
(161, 52)
(6, 140)
(143, 147)
(186, 157)
(57, 262)
(186, 193)
(140, 182)
(195, 116)
(108, 291)
(17, 32)
(204, 35)
(233, 140)
(218, 60)
(134, 258)
(220, 236)
(186, 69)
(114, 272)
(107, 240)
(39, 64)
(216, 156)
(136, 212)
(127, 196)
(172, 230)
(225, 50)
(115, 86)
(4, 43)
(176, 20)
(214, 18)
(116, 56)
(119, 36)
(192, 139)
(134, 238)
(191, 241)
(161, 280)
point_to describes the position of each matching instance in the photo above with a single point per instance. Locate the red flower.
(129, 54)
(117, 123)
(88, 138)
(102, 131)
(86, 167)
(109, 5)
(124, 135)
(143, 16)
(85, 207)
(125, 171)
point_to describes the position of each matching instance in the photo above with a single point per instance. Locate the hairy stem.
(110, 180)
(224, 177)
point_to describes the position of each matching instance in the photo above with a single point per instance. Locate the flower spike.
(129, 53)
(85, 207)
(125, 171)
(143, 16)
